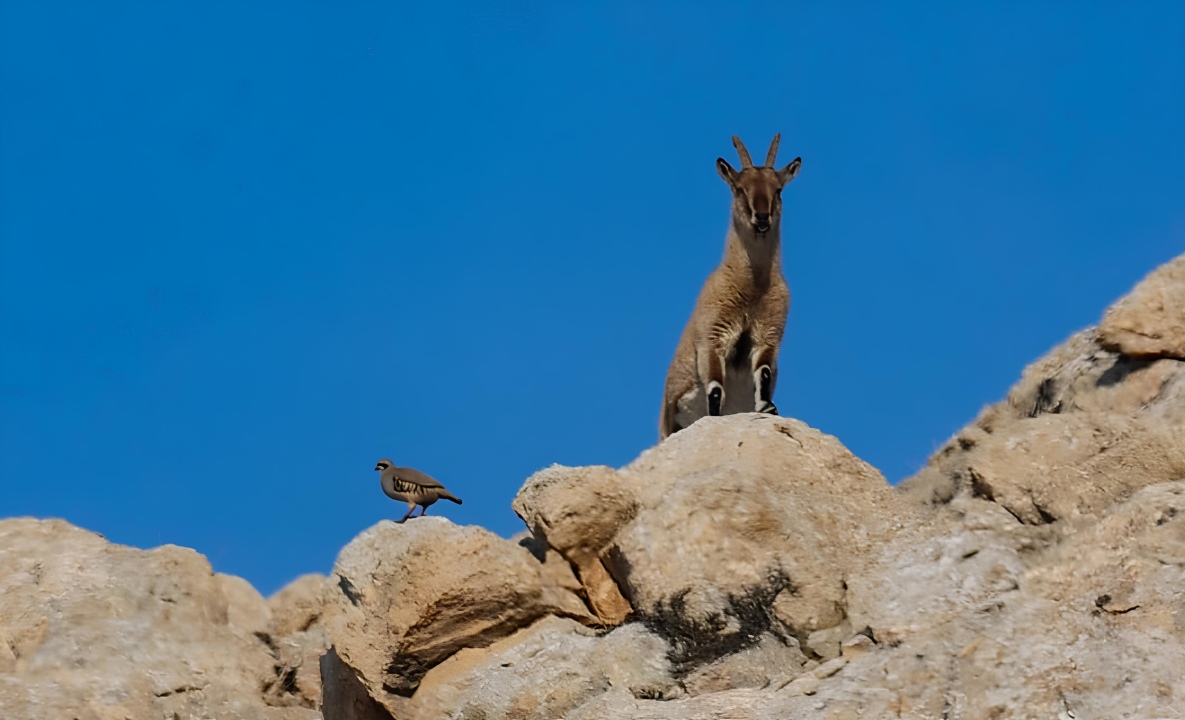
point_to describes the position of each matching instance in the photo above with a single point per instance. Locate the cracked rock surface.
(748, 568)
(98, 631)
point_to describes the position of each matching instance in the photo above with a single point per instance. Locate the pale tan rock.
(603, 593)
(830, 667)
(1088, 626)
(1084, 428)
(298, 605)
(743, 514)
(1034, 569)
(344, 696)
(773, 661)
(824, 644)
(856, 646)
(1150, 321)
(297, 670)
(246, 612)
(805, 685)
(94, 630)
(577, 512)
(297, 641)
(725, 530)
(543, 672)
(411, 595)
(739, 704)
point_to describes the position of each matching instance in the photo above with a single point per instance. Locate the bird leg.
(410, 509)
(423, 511)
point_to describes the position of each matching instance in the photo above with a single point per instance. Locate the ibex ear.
(726, 172)
(787, 173)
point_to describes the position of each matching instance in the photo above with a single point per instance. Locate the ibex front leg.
(711, 360)
(765, 377)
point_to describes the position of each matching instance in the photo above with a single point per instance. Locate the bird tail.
(446, 495)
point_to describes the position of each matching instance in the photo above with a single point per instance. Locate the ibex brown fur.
(727, 358)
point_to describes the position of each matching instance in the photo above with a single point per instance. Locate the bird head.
(382, 464)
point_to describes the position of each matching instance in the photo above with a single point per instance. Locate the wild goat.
(727, 358)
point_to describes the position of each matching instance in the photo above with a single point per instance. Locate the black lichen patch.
(349, 590)
(403, 674)
(746, 617)
(1047, 400)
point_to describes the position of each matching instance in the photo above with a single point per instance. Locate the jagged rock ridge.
(748, 567)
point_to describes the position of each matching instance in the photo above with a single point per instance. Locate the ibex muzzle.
(727, 358)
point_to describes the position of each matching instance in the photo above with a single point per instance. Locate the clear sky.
(250, 248)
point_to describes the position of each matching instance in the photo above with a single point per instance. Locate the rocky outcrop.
(1034, 568)
(95, 631)
(410, 596)
(723, 533)
(1084, 427)
(297, 640)
(1150, 322)
(747, 567)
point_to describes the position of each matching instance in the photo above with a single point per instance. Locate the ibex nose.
(762, 221)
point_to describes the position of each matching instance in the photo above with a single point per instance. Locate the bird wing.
(412, 475)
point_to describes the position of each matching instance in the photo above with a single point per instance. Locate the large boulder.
(408, 596)
(98, 631)
(732, 529)
(987, 617)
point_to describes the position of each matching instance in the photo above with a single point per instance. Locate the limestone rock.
(544, 671)
(772, 661)
(344, 696)
(298, 605)
(749, 567)
(578, 512)
(297, 641)
(1150, 321)
(246, 610)
(94, 630)
(736, 526)
(1085, 427)
(409, 596)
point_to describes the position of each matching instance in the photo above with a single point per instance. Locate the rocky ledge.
(748, 567)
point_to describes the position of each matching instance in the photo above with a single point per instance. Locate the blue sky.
(246, 249)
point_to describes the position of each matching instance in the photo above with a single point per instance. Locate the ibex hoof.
(715, 400)
(768, 408)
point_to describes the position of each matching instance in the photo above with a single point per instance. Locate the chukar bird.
(412, 487)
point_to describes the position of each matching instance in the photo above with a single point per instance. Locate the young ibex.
(727, 358)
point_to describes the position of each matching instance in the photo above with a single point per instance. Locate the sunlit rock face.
(747, 567)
